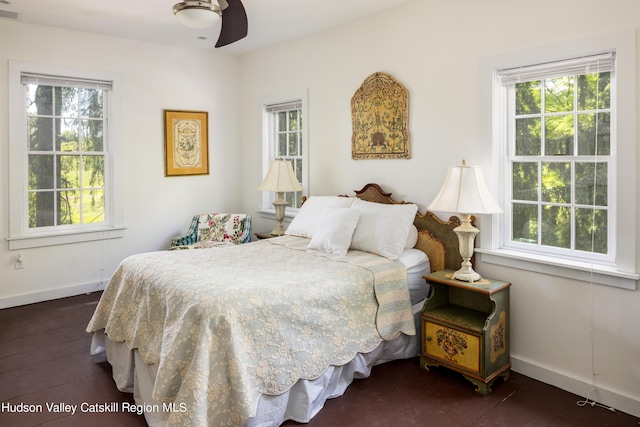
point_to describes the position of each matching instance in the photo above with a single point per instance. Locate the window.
(62, 183)
(561, 148)
(563, 141)
(66, 151)
(285, 137)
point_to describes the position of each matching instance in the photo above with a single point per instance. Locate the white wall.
(155, 77)
(564, 332)
(568, 333)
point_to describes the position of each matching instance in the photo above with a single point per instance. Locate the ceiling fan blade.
(234, 23)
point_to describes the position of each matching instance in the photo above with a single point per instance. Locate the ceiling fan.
(205, 13)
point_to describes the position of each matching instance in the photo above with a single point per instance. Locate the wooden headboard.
(435, 237)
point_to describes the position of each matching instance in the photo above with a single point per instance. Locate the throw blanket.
(226, 325)
(390, 285)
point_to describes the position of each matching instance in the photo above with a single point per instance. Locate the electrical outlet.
(19, 262)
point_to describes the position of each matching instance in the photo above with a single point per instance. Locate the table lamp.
(465, 192)
(280, 178)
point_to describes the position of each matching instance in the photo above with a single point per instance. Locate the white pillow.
(412, 237)
(382, 229)
(335, 230)
(305, 223)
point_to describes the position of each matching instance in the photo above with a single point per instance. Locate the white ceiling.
(270, 21)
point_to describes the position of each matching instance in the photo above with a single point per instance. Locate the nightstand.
(261, 236)
(465, 327)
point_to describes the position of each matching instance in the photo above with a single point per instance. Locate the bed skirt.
(300, 403)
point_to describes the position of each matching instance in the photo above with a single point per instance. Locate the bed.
(265, 332)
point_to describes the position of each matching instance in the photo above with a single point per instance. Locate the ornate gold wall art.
(380, 119)
(186, 145)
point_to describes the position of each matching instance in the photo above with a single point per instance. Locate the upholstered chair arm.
(191, 237)
(245, 237)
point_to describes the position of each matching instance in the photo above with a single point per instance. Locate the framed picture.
(186, 144)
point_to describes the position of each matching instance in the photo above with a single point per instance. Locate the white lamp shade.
(196, 14)
(280, 178)
(465, 191)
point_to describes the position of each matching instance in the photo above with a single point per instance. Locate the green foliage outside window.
(562, 144)
(66, 155)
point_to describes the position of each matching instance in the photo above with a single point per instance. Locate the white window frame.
(20, 235)
(622, 271)
(269, 147)
(578, 66)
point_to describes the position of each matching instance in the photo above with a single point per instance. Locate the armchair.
(214, 229)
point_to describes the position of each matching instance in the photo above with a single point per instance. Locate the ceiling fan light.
(197, 14)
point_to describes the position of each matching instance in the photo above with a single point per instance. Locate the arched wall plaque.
(380, 119)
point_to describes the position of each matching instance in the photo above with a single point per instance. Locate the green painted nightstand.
(261, 236)
(465, 327)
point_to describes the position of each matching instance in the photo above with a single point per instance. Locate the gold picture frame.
(186, 143)
(380, 119)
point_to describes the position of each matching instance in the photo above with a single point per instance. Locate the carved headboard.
(435, 237)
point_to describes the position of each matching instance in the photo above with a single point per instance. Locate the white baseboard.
(601, 395)
(49, 294)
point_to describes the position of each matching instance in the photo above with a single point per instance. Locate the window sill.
(63, 238)
(584, 271)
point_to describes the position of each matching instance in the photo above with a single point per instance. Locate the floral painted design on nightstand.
(451, 342)
(498, 336)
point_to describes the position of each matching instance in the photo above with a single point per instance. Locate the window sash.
(508, 79)
(270, 148)
(78, 210)
(294, 198)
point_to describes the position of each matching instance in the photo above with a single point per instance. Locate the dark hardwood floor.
(44, 359)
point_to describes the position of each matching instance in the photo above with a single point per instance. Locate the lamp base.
(466, 237)
(280, 204)
(466, 276)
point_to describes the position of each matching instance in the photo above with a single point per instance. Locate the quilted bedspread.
(226, 325)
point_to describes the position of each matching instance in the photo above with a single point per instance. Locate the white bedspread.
(225, 325)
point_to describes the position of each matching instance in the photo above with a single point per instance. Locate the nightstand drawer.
(452, 346)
